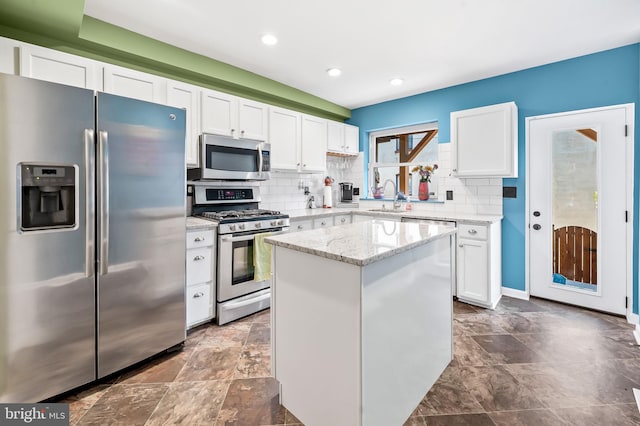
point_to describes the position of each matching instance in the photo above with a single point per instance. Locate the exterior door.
(579, 186)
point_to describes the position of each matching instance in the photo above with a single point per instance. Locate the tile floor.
(526, 363)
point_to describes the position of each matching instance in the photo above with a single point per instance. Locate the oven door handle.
(249, 301)
(245, 237)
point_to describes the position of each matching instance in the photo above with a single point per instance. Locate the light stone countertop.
(361, 243)
(417, 214)
(198, 223)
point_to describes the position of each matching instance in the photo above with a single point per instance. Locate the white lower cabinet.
(300, 225)
(479, 268)
(341, 219)
(200, 261)
(322, 222)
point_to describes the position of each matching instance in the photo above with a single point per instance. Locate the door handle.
(90, 168)
(103, 197)
(537, 227)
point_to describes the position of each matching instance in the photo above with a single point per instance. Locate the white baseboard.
(633, 318)
(516, 294)
(636, 333)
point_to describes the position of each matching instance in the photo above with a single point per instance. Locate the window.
(394, 152)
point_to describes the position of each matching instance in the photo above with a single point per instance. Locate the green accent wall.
(62, 25)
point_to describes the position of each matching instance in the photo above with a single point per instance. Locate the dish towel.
(261, 257)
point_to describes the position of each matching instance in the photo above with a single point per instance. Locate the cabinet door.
(301, 225)
(335, 136)
(8, 56)
(484, 141)
(133, 84)
(351, 139)
(182, 95)
(284, 137)
(342, 219)
(198, 304)
(199, 269)
(322, 222)
(314, 144)
(473, 280)
(252, 120)
(219, 113)
(58, 67)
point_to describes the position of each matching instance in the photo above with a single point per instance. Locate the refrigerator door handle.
(90, 178)
(103, 199)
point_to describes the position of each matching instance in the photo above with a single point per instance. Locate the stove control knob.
(232, 227)
(241, 226)
(281, 222)
(258, 225)
(274, 223)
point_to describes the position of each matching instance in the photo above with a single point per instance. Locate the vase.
(423, 190)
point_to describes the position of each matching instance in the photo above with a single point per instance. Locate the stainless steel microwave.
(225, 158)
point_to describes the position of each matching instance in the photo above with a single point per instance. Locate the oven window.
(242, 261)
(231, 159)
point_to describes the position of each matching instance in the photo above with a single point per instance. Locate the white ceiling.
(430, 43)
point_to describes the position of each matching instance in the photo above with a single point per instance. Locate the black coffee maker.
(346, 192)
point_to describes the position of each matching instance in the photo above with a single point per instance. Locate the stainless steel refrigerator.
(92, 235)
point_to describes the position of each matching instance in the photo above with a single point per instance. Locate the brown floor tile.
(162, 369)
(449, 396)
(210, 364)
(255, 361)
(460, 420)
(466, 352)
(260, 334)
(529, 322)
(228, 335)
(477, 324)
(511, 304)
(460, 308)
(597, 416)
(290, 419)
(190, 403)
(415, 421)
(506, 349)
(81, 402)
(125, 404)
(263, 316)
(497, 390)
(525, 418)
(252, 402)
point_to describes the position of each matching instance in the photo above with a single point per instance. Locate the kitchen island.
(361, 319)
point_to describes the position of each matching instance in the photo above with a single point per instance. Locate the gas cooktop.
(229, 216)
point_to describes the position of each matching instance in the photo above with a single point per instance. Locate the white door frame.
(630, 111)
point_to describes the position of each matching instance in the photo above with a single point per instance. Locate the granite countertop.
(416, 214)
(198, 223)
(361, 243)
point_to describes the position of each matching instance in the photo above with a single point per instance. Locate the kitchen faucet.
(396, 203)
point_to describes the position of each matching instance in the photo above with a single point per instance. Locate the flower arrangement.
(425, 172)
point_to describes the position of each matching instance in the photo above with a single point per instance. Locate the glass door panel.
(575, 208)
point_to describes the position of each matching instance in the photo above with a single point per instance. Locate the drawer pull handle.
(198, 294)
(323, 223)
(199, 257)
(472, 231)
(300, 226)
(198, 239)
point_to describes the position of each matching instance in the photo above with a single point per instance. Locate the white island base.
(360, 344)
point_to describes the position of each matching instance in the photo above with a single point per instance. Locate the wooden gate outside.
(575, 254)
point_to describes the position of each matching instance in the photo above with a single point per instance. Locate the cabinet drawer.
(301, 225)
(342, 219)
(198, 303)
(199, 265)
(201, 238)
(322, 222)
(478, 232)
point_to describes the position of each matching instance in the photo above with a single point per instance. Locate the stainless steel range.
(234, 206)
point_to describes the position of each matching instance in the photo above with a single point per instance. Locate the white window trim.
(416, 128)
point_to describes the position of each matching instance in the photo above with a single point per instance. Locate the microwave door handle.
(260, 161)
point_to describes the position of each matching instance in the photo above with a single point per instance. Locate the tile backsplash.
(285, 190)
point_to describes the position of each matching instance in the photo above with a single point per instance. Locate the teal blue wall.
(606, 78)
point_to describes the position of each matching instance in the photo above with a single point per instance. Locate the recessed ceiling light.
(396, 81)
(269, 39)
(334, 72)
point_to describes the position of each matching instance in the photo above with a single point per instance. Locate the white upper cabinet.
(8, 56)
(342, 138)
(313, 144)
(484, 141)
(252, 119)
(182, 95)
(134, 84)
(284, 137)
(229, 115)
(59, 67)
